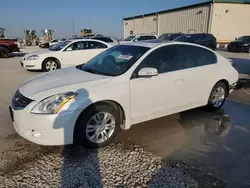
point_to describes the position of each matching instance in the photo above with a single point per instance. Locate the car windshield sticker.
(127, 57)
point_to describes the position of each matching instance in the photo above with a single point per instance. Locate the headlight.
(53, 104)
(33, 57)
(246, 44)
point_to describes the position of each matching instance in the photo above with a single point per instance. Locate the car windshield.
(114, 61)
(183, 38)
(130, 38)
(244, 38)
(59, 46)
(165, 37)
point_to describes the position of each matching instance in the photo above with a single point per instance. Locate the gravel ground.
(113, 166)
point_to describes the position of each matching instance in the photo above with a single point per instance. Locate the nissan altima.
(125, 85)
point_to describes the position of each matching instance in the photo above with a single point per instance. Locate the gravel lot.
(159, 158)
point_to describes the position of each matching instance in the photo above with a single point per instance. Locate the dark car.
(8, 46)
(204, 39)
(169, 36)
(242, 44)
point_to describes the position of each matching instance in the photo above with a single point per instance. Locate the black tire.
(53, 61)
(80, 133)
(210, 105)
(4, 52)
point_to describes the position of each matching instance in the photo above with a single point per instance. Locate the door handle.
(178, 81)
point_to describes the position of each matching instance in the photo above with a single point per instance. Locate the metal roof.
(189, 6)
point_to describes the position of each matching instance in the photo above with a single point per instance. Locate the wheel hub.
(100, 127)
(218, 97)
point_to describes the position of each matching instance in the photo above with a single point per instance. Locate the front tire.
(50, 65)
(217, 97)
(4, 52)
(97, 126)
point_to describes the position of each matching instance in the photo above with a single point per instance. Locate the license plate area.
(11, 113)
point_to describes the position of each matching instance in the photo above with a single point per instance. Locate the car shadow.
(241, 65)
(80, 166)
(17, 54)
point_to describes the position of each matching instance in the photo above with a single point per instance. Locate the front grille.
(19, 101)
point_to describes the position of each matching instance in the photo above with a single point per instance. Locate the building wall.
(142, 25)
(190, 20)
(230, 21)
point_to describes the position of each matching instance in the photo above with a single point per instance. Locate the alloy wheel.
(100, 127)
(218, 97)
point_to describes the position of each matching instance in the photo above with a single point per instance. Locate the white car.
(125, 85)
(110, 40)
(54, 42)
(65, 54)
(135, 38)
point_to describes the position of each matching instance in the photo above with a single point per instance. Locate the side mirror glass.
(135, 40)
(236, 38)
(147, 72)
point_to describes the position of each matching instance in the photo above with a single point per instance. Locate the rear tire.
(4, 52)
(50, 64)
(217, 97)
(92, 131)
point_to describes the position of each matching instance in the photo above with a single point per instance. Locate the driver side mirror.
(135, 40)
(148, 72)
(236, 38)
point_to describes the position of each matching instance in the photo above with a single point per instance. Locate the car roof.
(146, 43)
(86, 39)
(157, 42)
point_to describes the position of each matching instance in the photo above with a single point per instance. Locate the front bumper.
(31, 65)
(50, 130)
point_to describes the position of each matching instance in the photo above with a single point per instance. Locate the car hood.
(38, 53)
(63, 78)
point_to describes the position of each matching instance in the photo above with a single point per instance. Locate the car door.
(81, 52)
(200, 73)
(92, 49)
(157, 95)
(73, 54)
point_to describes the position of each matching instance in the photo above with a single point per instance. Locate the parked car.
(125, 85)
(64, 54)
(53, 42)
(204, 39)
(135, 38)
(242, 44)
(110, 40)
(169, 36)
(8, 46)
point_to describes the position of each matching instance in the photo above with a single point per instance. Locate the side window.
(77, 46)
(95, 45)
(201, 38)
(193, 56)
(164, 59)
(105, 39)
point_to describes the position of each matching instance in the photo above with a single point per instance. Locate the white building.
(225, 19)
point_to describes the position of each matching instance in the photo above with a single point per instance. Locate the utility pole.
(73, 24)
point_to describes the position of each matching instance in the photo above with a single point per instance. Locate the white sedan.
(54, 42)
(125, 85)
(64, 54)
